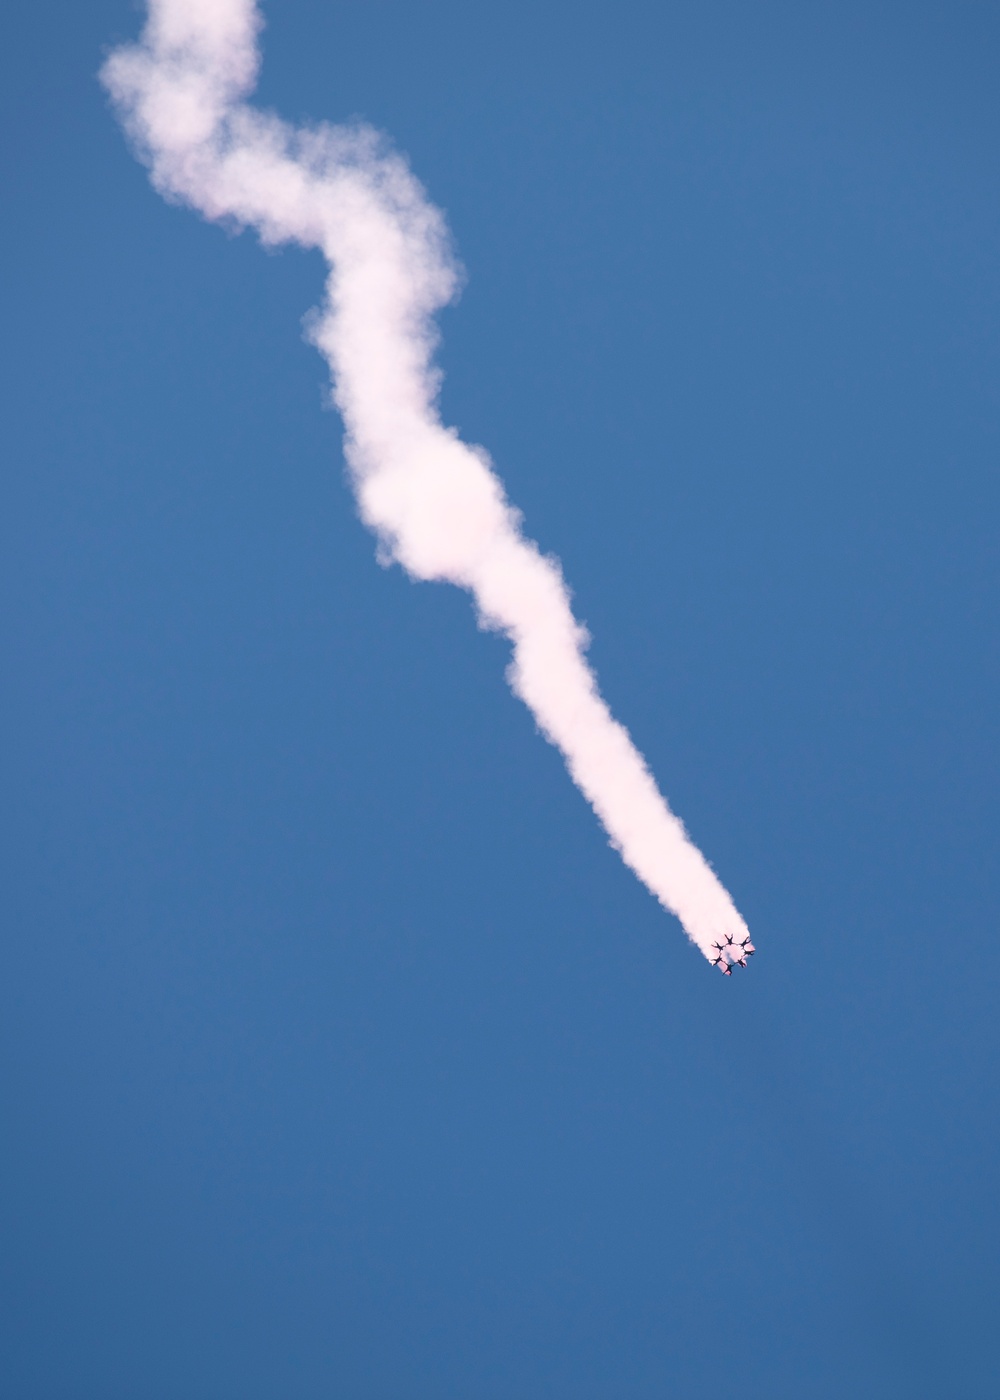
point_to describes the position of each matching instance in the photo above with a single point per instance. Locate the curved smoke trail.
(434, 502)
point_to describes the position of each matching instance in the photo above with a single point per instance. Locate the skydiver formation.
(729, 954)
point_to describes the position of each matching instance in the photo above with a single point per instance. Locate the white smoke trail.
(434, 502)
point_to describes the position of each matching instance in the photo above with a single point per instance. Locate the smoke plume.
(434, 502)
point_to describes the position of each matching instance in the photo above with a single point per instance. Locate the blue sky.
(341, 1055)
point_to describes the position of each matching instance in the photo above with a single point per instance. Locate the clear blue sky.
(340, 1055)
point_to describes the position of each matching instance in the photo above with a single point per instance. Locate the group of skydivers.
(741, 951)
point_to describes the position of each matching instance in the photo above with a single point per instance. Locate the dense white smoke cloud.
(434, 502)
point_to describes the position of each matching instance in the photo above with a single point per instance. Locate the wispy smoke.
(434, 502)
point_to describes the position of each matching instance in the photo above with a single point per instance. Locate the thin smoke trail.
(434, 502)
